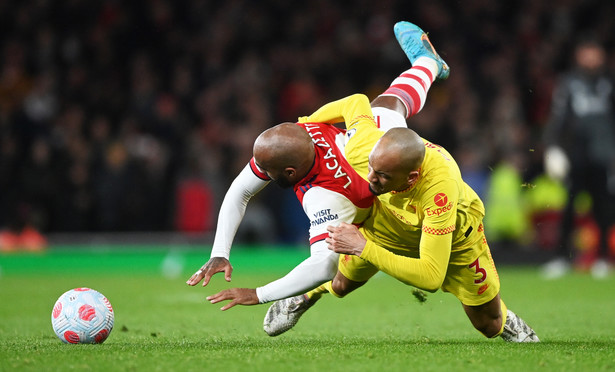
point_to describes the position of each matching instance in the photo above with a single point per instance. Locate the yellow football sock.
(315, 294)
(504, 311)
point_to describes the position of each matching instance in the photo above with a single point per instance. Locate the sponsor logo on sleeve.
(441, 200)
(323, 216)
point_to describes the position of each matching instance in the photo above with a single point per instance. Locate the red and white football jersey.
(332, 191)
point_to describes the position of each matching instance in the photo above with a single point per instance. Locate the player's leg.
(284, 314)
(477, 286)
(405, 96)
(340, 286)
(407, 93)
(494, 319)
(416, 44)
(486, 318)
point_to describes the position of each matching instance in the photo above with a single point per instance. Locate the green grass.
(162, 324)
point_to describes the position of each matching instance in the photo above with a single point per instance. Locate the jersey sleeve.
(439, 204)
(362, 133)
(319, 268)
(247, 184)
(426, 272)
(350, 110)
(323, 207)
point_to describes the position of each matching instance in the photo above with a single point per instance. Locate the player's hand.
(238, 296)
(346, 239)
(214, 265)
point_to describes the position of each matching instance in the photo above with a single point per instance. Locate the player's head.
(395, 161)
(285, 152)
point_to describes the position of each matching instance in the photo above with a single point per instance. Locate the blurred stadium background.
(125, 121)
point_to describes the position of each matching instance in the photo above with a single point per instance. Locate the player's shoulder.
(439, 166)
(437, 154)
(318, 198)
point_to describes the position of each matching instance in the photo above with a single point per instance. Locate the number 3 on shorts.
(478, 270)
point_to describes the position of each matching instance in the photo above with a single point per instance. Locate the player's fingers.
(220, 296)
(194, 279)
(208, 273)
(332, 245)
(227, 273)
(229, 305)
(206, 278)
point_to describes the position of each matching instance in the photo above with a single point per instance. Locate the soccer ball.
(82, 316)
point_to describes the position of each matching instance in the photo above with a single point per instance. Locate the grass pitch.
(162, 324)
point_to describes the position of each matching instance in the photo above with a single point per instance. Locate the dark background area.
(132, 116)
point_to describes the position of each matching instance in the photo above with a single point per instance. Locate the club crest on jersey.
(350, 133)
(482, 289)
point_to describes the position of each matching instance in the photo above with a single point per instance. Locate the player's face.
(278, 176)
(283, 182)
(385, 178)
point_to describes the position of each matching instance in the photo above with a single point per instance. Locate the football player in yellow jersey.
(427, 232)
(426, 228)
(405, 96)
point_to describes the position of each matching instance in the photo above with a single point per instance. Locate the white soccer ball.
(82, 316)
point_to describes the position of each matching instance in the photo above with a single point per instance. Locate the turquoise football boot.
(415, 44)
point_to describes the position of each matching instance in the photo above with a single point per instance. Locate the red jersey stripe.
(318, 238)
(257, 172)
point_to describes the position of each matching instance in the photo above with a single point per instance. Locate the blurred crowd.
(136, 115)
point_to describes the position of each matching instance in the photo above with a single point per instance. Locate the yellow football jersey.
(439, 204)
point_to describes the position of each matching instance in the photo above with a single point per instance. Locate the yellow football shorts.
(473, 284)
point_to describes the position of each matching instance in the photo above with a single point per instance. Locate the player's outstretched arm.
(233, 208)
(238, 296)
(214, 265)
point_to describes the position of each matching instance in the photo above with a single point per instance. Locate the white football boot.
(516, 330)
(284, 314)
